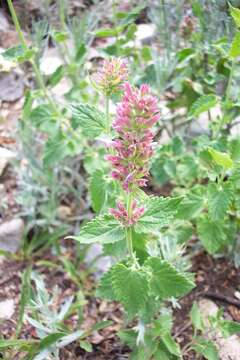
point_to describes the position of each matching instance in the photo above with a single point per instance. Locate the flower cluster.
(136, 115)
(122, 215)
(113, 74)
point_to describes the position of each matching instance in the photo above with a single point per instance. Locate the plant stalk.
(33, 63)
(229, 85)
(129, 229)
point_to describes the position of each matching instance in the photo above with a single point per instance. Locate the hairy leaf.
(105, 289)
(211, 234)
(204, 103)
(89, 118)
(159, 212)
(166, 280)
(97, 190)
(103, 229)
(219, 199)
(221, 158)
(130, 288)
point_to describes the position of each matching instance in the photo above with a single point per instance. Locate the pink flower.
(121, 214)
(113, 74)
(133, 148)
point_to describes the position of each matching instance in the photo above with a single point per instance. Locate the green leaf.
(91, 120)
(221, 158)
(133, 14)
(107, 32)
(235, 13)
(68, 339)
(219, 199)
(25, 296)
(60, 36)
(229, 328)
(163, 325)
(56, 76)
(207, 349)
(19, 343)
(211, 234)
(56, 149)
(86, 345)
(166, 280)
(105, 289)
(18, 53)
(159, 212)
(204, 103)
(103, 229)
(97, 189)
(196, 317)
(191, 206)
(171, 345)
(130, 288)
(235, 46)
(50, 339)
(44, 119)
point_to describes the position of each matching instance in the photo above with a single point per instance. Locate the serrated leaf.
(207, 349)
(211, 233)
(219, 198)
(190, 207)
(159, 212)
(89, 118)
(196, 317)
(204, 103)
(103, 229)
(235, 46)
(130, 288)
(105, 289)
(166, 280)
(221, 158)
(97, 188)
(235, 13)
(44, 119)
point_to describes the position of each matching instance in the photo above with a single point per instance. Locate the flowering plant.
(140, 281)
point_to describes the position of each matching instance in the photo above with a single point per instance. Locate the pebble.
(11, 233)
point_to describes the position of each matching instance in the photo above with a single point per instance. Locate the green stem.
(129, 229)
(17, 25)
(228, 90)
(107, 115)
(33, 63)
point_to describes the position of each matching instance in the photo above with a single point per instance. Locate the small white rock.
(6, 309)
(5, 157)
(145, 32)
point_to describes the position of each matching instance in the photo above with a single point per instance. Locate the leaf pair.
(134, 287)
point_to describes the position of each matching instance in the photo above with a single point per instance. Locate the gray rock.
(4, 24)
(11, 233)
(5, 157)
(11, 86)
